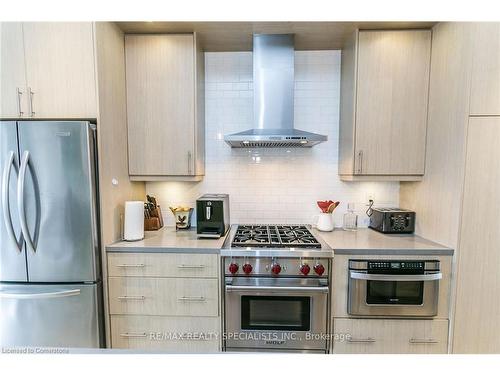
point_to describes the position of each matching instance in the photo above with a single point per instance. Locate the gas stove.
(280, 236)
(276, 251)
(276, 282)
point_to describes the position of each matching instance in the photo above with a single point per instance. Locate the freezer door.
(57, 200)
(56, 315)
(12, 253)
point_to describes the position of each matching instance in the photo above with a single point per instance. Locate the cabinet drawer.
(163, 265)
(161, 296)
(390, 336)
(172, 334)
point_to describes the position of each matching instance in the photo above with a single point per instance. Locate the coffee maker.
(212, 215)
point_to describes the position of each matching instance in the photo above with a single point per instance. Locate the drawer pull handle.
(133, 298)
(192, 299)
(422, 341)
(187, 266)
(129, 335)
(140, 265)
(368, 340)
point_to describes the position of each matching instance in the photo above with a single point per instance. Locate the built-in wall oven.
(276, 314)
(388, 288)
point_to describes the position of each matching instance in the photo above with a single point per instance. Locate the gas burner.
(274, 236)
(247, 235)
(296, 235)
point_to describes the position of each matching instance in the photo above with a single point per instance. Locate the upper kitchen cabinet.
(485, 84)
(383, 111)
(13, 102)
(48, 70)
(165, 107)
(60, 69)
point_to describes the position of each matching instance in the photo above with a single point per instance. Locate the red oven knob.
(305, 269)
(233, 268)
(247, 268)
(319, 269)
(275, 268)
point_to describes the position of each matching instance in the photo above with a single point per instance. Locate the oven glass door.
(395, 292)
(275, 313)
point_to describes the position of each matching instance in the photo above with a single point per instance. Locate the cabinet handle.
(132, 298)
(140, 265)
(368, 340)
(187, 266)
(19, 105)
(360, 161)
(129, 335)
(189, 162)
(31, 101)
(192, 299)
(422, 341)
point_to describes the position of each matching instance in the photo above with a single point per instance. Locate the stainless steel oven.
(276, 289)
(394, 288)
(285, 314)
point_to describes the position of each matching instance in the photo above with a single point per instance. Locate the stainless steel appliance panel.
(425, 284)
(12, 251)
(55, 315)
(295, 324)
(56, 197)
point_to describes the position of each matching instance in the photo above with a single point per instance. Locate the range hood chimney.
(273, 82)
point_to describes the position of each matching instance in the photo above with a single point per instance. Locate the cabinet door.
(60, 69)
(13, 96)
(485, 85)
(160, 104)
(391, 109)
(390, 336)
(163, 265)
(477, 315)
(163, 296)
(180, 334)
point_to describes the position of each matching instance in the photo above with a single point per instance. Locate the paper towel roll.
(134, 221)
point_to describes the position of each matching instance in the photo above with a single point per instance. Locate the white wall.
(273, 185)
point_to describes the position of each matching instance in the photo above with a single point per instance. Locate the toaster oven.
(392, 220)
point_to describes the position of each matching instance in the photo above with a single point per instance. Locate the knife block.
(155, 221)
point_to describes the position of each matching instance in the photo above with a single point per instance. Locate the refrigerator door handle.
(63, 293)
(5, 201)
(20, 199)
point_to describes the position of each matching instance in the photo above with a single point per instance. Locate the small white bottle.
(350, 218)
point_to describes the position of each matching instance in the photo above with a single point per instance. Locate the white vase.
(325, 222)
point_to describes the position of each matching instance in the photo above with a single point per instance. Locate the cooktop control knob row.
(275, 268)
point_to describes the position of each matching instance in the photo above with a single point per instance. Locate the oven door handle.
(378, 277)
(277, 289)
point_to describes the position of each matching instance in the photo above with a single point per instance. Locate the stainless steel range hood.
(273, 82)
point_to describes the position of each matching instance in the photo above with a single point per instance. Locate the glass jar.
(350, 218)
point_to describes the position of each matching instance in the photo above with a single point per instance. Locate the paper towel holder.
(133, 228)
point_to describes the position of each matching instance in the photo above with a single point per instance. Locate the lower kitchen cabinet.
(164, 302)
(163, 296)
(172, 334)
(390, 336)
(163, 265)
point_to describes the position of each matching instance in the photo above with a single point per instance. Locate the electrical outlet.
(370, 197)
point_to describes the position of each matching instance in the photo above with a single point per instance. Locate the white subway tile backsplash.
(273, 185)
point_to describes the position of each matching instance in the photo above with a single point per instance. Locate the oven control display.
(395, 266)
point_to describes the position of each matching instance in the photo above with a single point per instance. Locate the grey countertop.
(370, 242)
(168, 240)
(363, 241)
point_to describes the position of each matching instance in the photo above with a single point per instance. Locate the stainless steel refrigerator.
(50, 276)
